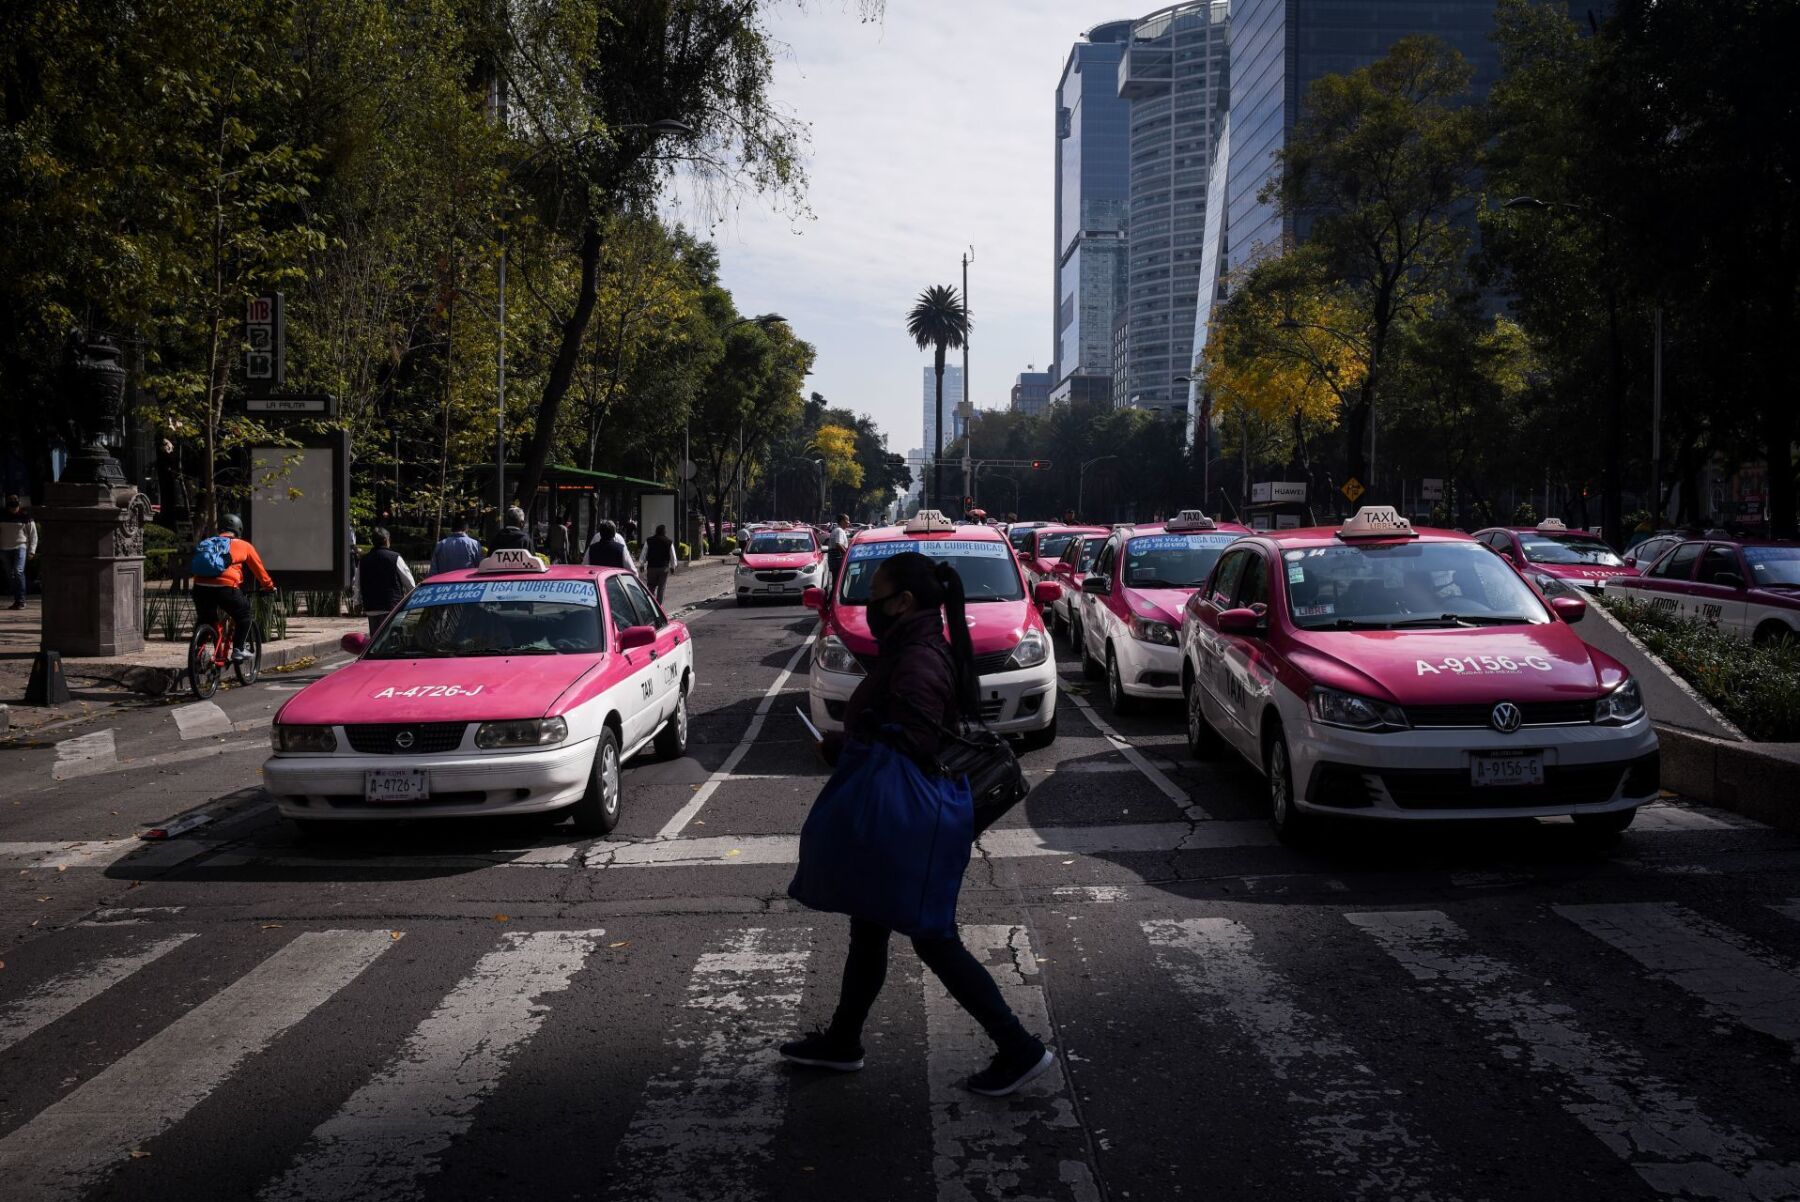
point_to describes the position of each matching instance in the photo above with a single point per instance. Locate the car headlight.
(833, 656)
(1624, 704)
(1032, 650)
(1333, 707)
(522, 732)
(810, 568)
(302, 738)
(1149, 631)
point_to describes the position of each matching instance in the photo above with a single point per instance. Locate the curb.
(155, 682)
(1737, 777)
(1675, 678)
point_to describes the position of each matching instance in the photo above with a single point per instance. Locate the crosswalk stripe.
(1351, 1127)
(57, 996)
(71, 1144)
(706, 1127)
(1745, 982)
(1644, 1120)
(392, 1130)
(984, 1148)
(69, 853)
(85, 755)
(200, 719)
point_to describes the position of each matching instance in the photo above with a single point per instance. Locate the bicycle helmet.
(233, 523)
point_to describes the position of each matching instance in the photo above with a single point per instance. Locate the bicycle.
(209, 653)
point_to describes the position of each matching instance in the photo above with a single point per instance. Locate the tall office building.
(1092, 193)
(953, 396)
(1175, 74)
(1031, 392)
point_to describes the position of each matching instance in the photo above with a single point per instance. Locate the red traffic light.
(1040, 465)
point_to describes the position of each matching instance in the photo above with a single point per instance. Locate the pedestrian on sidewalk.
(659, 561)
(18, 542)
(608, 550)
(918, 686)
(559, 541)
(513, 533)
(382, 580)
(456, 550)
(836, 544)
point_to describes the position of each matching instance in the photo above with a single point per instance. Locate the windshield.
(1018, 534)
(494, 617)
(779, 544)
(1568, 548)
(1777, 566)
(1173, 560)
(1380, 586)
(1051, 546)
(988, 572)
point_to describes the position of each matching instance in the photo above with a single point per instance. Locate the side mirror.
(1569, 609)
(356, 642)
(813, 597)
(1046, 592)
(1240, 621)
(1728, 580)
(1098, 585)
(633, 637)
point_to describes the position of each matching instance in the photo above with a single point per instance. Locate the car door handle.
(653, 655)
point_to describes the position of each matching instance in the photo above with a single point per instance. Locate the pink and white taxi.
(1551, 549)
(508, 688)
(780, 561)
(1382, 672)
(1131, 603)
(1012, 649)
(1751, 588)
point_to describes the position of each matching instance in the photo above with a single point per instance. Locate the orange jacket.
(233, 576)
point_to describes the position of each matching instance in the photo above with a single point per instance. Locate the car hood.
(483, 688)
(1157, 604)
(993, 626)
(763, 563)
(1548, 662)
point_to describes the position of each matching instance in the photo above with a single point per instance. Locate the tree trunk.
(562, 368)
(1778, 437)
(936, 499)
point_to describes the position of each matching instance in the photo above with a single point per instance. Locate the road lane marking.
(1027, 1145)
(53, 998)
(201, 720)
(1665, 1137)
(392, 1131)
(707, 1125)
(686, 813)
(128, 916)
(1662, 817)
(1174, 792)
(70, 853)
(84, 755)
(1345, 1121)
(1746, 983)
(69, 1146)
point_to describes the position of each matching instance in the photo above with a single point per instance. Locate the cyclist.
(225, 590)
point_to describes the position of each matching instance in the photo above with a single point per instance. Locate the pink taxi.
(781, 562)
(509, 688)
(1550, 549)
(1382, 672)
(1044, 547)
(1750, 587)
(1012, 649)
(1131, 603)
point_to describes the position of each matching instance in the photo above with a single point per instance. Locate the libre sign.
(266, 332)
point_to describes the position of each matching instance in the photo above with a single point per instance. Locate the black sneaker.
(1007, 1071)
(822, 1049)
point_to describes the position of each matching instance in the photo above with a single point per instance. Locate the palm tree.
(938, 320)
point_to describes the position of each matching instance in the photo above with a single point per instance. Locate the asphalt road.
(507, 1012)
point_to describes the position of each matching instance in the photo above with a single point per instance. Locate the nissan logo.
(1506, 717)
(404, 739)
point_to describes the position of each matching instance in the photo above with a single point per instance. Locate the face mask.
(880, 620)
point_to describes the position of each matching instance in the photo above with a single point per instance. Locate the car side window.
(1103, 564)
(1717, 559)
(1253, 584)
(1499, 540)
(618, 604)
(1226, 574)
(648, 611)
(1677, 564)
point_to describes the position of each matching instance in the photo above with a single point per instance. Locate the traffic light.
(1040, 465)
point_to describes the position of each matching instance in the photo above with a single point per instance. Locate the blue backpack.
(211, 557)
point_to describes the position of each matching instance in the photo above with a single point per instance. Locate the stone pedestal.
(92, 548)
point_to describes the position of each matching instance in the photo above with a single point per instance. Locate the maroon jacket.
(912, 686)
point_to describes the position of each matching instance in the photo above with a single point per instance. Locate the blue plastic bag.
(886, 842)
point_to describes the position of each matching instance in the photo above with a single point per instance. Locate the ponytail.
(962, 651)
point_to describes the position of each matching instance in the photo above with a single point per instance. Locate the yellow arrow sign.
(1352, 489)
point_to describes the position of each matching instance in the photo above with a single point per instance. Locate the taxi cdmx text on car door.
(1382, 672)
(1749, 587)
(509, 688)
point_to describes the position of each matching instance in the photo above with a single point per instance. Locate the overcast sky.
(931, 131)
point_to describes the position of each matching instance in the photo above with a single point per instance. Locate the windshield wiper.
(513, 651)
(1463, 620)
(1351, 624)
(1154, 583)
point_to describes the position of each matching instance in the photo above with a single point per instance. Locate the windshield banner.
(1179, 542)
(567, 592)
(937, 548)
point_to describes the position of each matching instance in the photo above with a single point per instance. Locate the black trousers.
(964, 977)
(209, 599)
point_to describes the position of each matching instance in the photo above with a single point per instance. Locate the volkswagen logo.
(1506, 717)
(404, 739)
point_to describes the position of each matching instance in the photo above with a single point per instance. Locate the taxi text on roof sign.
(1377, 521)
(929, 521)
(511, 559)
(1552, 526)
(1189, 519)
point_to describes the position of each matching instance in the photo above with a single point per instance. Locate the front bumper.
(747, 584)
(462, 784)
(1148, 669)
(1011, 702)
(1423, 775)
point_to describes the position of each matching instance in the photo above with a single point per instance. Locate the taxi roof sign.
(1190, 519)
(1552, 526)
(928, 521)
(1377, 521)
(511, 559)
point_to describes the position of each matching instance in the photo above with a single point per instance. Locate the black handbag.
(996, 782)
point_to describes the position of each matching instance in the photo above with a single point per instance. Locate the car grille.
(1535, 713)
(991, 709)
(775, 577)
(383, 738)
(1588, 784)
(985, 665)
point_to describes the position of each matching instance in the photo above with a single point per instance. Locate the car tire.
(1606, 827)
(1203, 741)
(1091, 668)
(597, 813)
(1770, 633)
(1037, 740)
(1122, 702)
(672, 739)
(1291, 826)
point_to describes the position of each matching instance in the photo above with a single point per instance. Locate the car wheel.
(1291, 826)
(1091, 668)
(598, 810)
(671, 740)
(1203, 741)
(1606, 826)
(1122, 702)
(1772, 632)
(1037, 740)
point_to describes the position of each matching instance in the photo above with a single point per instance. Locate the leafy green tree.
(937, 322)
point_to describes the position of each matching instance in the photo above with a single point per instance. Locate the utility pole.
(968, 392)
(1656, 475)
